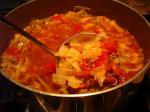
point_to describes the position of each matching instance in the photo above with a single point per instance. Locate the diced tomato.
(87, 85)
(89, 65)
(83, 74)
(77, 27)
(135, 47)
(103, 59)
(129, 64)
(85, 64)
(58, 18)
(116, 69)
(51, 67)
(109, 45)
(83, 86)
(110, 80)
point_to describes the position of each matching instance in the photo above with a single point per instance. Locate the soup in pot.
(112, 57)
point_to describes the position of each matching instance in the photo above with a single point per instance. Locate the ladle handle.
(27, 35)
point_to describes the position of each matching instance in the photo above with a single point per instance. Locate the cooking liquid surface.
(28, 64)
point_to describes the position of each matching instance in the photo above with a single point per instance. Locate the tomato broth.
(111, 58)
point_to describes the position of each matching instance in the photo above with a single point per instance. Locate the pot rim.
(146, 67)
(142, 71)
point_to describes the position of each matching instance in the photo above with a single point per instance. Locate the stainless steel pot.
(102, 101)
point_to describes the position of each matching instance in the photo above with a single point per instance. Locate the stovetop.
(14, 99)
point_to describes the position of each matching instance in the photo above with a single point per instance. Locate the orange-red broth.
(28, 64)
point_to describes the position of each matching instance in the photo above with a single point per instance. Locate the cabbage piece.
(74, 82)
(99, 75)
(59, 79)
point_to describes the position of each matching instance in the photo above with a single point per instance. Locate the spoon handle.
(24, 33)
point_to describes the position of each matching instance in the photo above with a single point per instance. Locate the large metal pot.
(102, 101)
